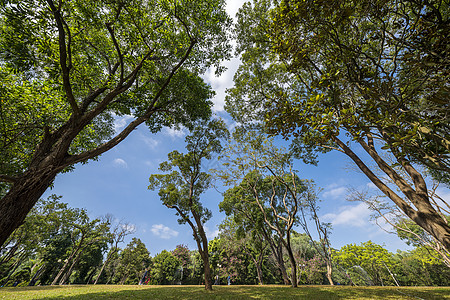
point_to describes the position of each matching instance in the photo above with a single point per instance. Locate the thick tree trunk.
(21, 198)
(207, 270)
(293, 266)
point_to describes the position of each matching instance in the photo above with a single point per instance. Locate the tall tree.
(69, 67)
(181, 189)
(310, 208)
(260, 172)
(333, 74)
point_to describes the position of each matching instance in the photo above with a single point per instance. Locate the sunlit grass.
(222, 292)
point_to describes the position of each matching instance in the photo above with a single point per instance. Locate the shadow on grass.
(237, 292)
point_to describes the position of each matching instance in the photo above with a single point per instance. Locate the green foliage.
(332, 74)
(134, 261)
(366, 264)
(67, 70)
(183, 186)
(165, 267)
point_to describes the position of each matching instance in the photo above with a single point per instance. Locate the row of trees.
(50, 250)
(58, 244)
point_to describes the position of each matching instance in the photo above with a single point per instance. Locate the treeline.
(58, 244)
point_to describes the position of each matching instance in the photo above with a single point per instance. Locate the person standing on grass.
(229, 280)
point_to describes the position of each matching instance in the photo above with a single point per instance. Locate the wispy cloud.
(357, 215)
(163, 231)
(118, 162)
(334, 191)
(174, 133)
(150, 142)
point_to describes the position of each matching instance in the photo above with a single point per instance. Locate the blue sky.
(117, 184)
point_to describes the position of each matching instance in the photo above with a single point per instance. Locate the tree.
(165, 266)
(332, 74)
(181, 189)
(261, 173)
(85, 234)
(120, 231)
(134, 261)
(402, 226)
(245, 233)
(68, 68)
(323, 246)
(368, 263)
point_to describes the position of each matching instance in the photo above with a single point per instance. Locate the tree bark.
(329, 272)
(21, 198)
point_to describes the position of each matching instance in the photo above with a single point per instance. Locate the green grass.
(222, 292)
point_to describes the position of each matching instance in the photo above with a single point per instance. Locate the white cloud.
(118, 162)
(334, 192)
(163, 232)
(211, 234)
(220, 84)
(150, 142)
(121, 122)
(174, 133)
(350, 215)
(129, 227)
(232, 7)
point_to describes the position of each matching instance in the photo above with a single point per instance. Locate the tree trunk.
(64, 267)
(293, 265)
(103, 267)
(278, 253)
(21, 198)
(329, 271)
(258, 265)
(69, 272)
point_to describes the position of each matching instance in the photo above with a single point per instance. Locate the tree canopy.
(338, 76)
(68, 69)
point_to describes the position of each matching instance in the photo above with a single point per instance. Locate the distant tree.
(262, 174)
(134, 261)
(118, 234)
(85, 234)
(366, 264)
(249, 238)
(181, 189)
(68, 68)
(165, 267)
(310, 208)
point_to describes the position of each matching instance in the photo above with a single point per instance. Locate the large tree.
(262, 175)
(181, 188)
(67, 68)
(354, 75)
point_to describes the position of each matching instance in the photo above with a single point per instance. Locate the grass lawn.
(222, 292)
